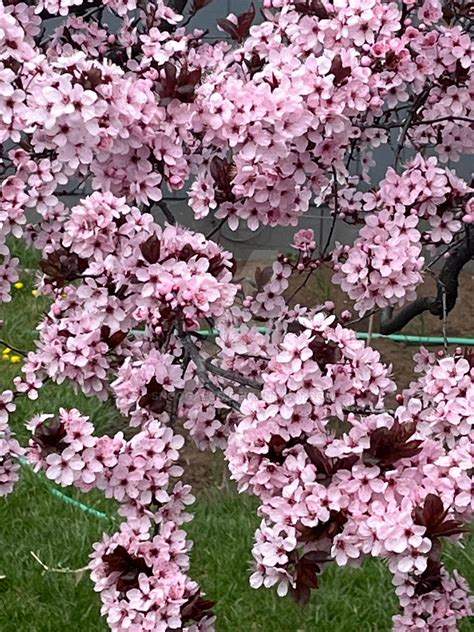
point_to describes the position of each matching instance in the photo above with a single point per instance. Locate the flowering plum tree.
(120, 102)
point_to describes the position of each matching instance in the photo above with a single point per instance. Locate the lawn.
(33, 519)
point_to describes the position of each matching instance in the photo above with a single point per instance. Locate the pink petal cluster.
(383, 268)
(140, 571)
(143, 583)
(10, 449)
(107, 108)
(134, 274)
(340, 478)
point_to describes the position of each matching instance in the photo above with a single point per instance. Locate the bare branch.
(231, 376)
(177, 5)
(201, 370)
(48, 569)
(419, 101)
(335, 213)
(7, 345)
(165, 209)
(445, 300)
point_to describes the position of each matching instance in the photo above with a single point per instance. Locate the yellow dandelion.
(34, 292)
(19, 285)
(6, 351)
(15, 359)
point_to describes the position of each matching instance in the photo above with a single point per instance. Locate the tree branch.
(448, 285)
(231, 376)
(201, 370)
(165, 209)
(7, 345)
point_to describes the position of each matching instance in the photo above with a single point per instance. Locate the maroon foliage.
(61, 266)
(325, 352)
(196, 608)
(239, 31)
(174, 85)
(433, 516)
(49, 436)
(151, 249)
(389, 445)
(129, 568)
(154, 399)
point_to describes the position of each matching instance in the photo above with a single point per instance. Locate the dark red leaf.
(340, 72)
(449, 528)
(62, 265)
(115, 339)
(318, 557)
(275, 449)
(154, 399)
(301, 594)
(151, 249)
(433, 517)
(430, 579)
(229, 27)
(239, 31)
(193, 77)
(129, 568)
(324, 351)
(312, 7)
(91, 78)
(49, 436)
(196, 608)
(245, 21)
(200, 4)
(433, 510)
(318, 459)
(308, 574)
(216, 265)
(219, 168)
(345, 463)
(389, 445)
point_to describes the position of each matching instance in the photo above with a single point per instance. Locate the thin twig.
(165, 209)
(9, 346)
(420, 99)
(451, 246)
(335, 213)
(216, 228)
(301, 286)
(47, 569)
(358, 320)
(370, 330)
(441, 119)
(233, 377)
(445, 314)
(201, 370)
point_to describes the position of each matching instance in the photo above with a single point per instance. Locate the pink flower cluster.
(317, 80)
(141, 577)
(133, 274)
(108, 109)
(135, 471)
(341, 478)
(10, 449)
(144, 585)
(384, 265)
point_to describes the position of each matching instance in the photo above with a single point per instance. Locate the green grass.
(33, 519)
(31, 600)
